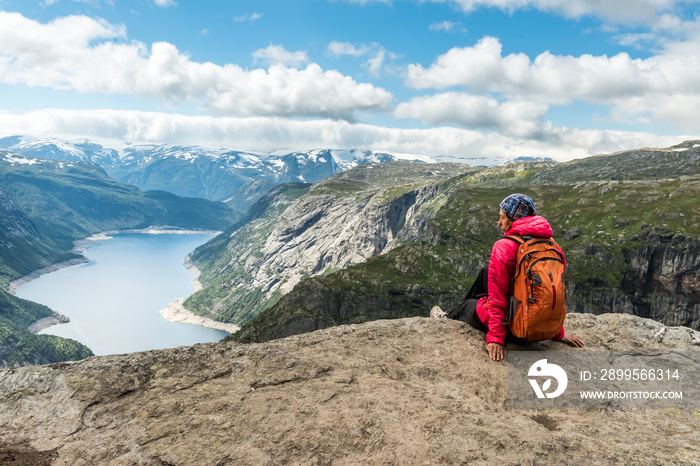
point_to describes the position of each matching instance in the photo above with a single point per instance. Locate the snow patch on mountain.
(14, 159)
(212, 173)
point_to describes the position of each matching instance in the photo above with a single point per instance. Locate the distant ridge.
(192, 171)
(218, 174)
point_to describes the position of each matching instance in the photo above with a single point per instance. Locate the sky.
(450, 78)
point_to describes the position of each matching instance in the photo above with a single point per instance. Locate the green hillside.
(628, 223)
(46, 206)
(299, 230)
(75, 199)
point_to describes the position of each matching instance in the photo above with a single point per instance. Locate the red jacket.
(501, 269)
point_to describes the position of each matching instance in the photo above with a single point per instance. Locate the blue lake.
(113, 301)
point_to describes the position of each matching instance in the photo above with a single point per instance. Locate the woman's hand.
(496, 351)
(571, 340)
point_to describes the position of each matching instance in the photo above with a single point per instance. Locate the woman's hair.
(517, 206)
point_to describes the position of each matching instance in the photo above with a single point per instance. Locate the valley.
(626, 221)
(368, 240)
(46, 206)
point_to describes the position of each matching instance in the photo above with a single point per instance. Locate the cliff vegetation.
(45, 206)
(343, 252)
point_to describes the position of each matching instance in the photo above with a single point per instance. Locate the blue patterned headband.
(517, 206)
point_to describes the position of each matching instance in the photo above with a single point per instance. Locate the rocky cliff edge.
(408, 391)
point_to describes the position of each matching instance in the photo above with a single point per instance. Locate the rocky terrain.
(353, 248)
(407, 391)
(300, 230)
(376, 241)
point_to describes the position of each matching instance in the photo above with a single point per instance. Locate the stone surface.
(408, 391)
(341, 221)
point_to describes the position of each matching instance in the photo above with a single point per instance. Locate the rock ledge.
(408, 391)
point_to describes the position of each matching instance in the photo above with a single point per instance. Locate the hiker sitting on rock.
(522, 292)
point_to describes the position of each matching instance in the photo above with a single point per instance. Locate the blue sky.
(463, 78)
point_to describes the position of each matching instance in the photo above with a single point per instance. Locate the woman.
(487, 301)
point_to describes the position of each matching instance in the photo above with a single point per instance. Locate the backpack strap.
(524, 239)
(509, 312)
(517, 238)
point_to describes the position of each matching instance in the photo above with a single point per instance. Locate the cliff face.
(306, 232)
(632, 244)
(662, 282)
(409, 391)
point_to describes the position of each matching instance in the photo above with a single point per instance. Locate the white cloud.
(165, 3)
(24, 38)
(447, 26)
(617, 11)
(282, 91)
(376, 63)
(267, 134)
(378, 55)
(517, 118)
(70, 53)
(248, 17)
(618, 81)
(338, 49)
(638, 40)
(276, 54)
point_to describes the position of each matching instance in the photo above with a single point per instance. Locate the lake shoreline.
(80, 248)
(54, 319)
(177, 312)
(14, 284)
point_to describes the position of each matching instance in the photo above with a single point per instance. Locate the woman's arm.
(501, 268)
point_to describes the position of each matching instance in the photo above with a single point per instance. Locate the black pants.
(466, 311)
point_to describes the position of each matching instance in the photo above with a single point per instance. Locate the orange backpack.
(537, 302)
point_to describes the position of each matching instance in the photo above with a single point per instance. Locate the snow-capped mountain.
(526, 159)
(58, 149)
(215, 174)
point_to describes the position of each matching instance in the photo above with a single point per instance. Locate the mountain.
(349, 250)
(45, 205)
(214, 174)
(301, 230)
(72, 200)
(526, 159)
(58, 149)
(406, 391)
(23, 249)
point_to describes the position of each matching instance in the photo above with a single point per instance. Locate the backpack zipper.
(542, 259)
(528, 255)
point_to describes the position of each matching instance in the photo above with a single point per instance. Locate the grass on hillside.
(595, 222)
